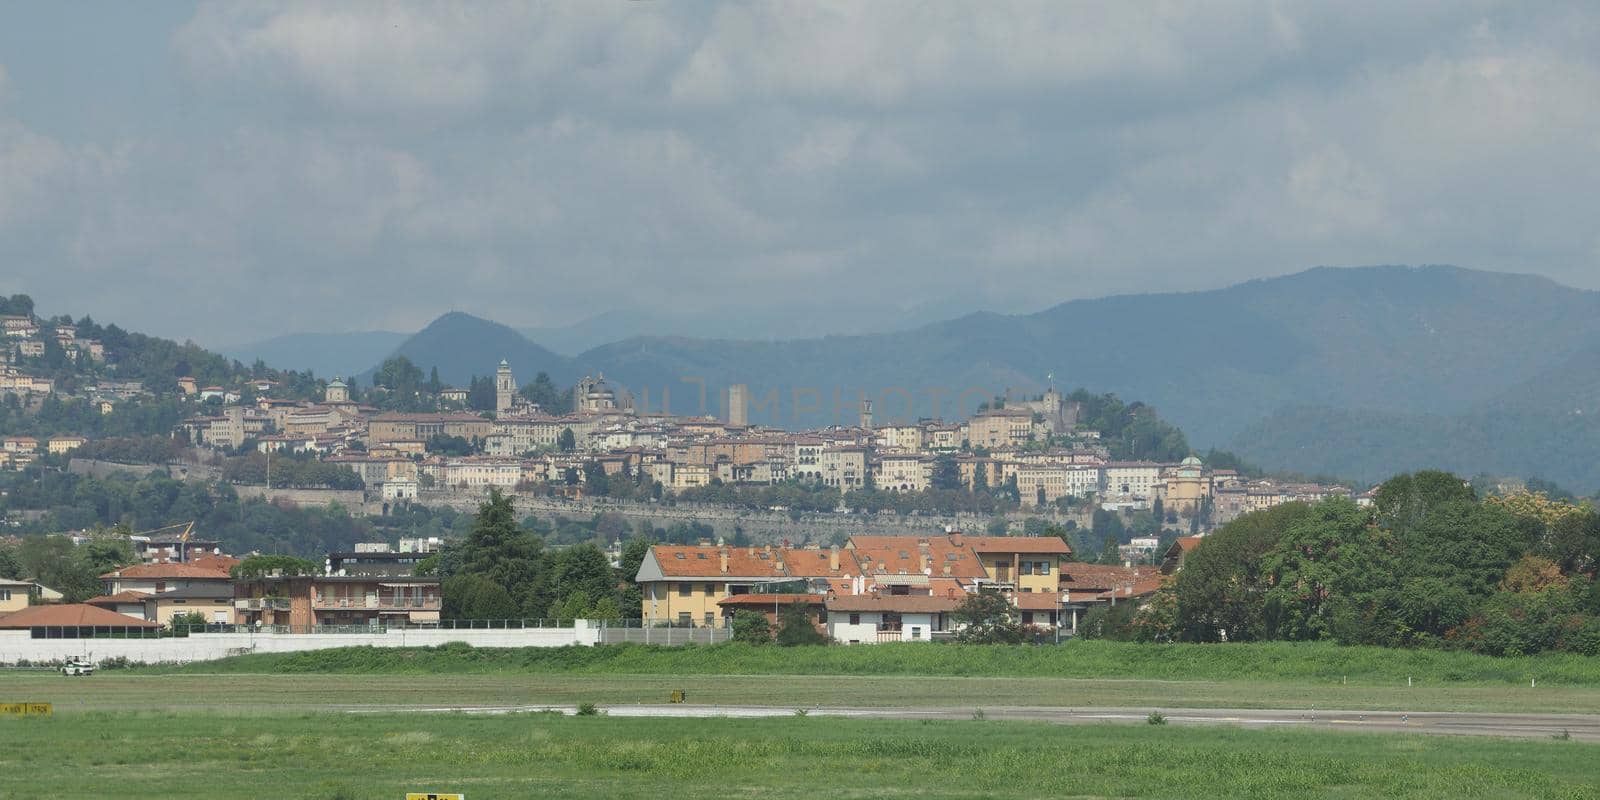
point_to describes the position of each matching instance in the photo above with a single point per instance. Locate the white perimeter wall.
(19, 645)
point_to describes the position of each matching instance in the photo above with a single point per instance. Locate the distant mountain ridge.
(1280, 369)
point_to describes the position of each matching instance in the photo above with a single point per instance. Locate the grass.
(1272, 662)
(137, 755)
(117, 691)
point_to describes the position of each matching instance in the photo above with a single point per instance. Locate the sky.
(231, 172)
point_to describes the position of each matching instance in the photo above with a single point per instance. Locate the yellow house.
(1032, 564)
(14, 595)
(214, 602)
(681, 584)
(64, 444)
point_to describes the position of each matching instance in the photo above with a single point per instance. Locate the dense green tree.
(751, 627)
(566, 441)
(796, 627)
(946, 473)
(499, 551)
(630, 598)
(470, 596)
(987, 618)
(1222, 587)
(1326, 570)
(584, 569)
(543, 393)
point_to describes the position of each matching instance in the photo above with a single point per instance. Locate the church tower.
(336, 392)
(505, 388)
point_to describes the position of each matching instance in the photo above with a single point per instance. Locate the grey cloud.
(373, 165)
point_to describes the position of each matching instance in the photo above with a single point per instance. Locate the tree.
(946, 473)
(504, 554)
(258, 566)
(595, 480)
(987, 618)
(10, 567)
(631, 598)
(1221, 590)
(567, 441)
(584, 569)
(469, 596)
(185, 622)
(751, 627)
(1326, 572)
(543, 393)
(795, 627)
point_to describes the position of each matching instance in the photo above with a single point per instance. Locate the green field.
(328, 755)
(1078, 674)
(120, 691)
(1270, 661)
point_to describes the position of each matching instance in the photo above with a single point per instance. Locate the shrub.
(588, 710)
(751, 627)
(1155, 718)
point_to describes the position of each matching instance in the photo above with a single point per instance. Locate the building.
(1000, 428)
(1187, 487)
(73, 621)
(682, 585)
(59, 445)
(1178, 553)
(505, 389)
(306, 601)
(1025, 564)
(157, 578)
(876, 617)
(393, 426)
(738, 408)
(336, 391)
(14, 595)
(374, 563)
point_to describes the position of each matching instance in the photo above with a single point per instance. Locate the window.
(1027, 617)
(1042, 568)
(5, 594)
(685, 590)
(711, 619)
(855, 619)
(916, 633)
(711, 589)
(1027, 568)
(684, 619)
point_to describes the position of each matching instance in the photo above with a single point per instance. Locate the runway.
(1582, 727)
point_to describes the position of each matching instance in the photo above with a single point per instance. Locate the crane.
(183, 538)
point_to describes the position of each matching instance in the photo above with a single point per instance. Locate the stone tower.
(337, 392)
(505, 388)
(739, 404)
(866, 413)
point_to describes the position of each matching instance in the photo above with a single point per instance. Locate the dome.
(1193, 461)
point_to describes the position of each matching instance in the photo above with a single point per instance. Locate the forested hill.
(155, 363)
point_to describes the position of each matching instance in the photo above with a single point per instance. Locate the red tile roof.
(903, 603)
(1018, 544)
(76, 615)
(168, 572)
(1037, 601)
(128, 596)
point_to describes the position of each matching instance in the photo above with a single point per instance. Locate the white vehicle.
(77, 666)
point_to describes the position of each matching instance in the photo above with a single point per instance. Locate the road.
(1582, 727)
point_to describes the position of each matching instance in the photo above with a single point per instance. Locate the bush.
(588, 710)
(751, 627)
(795, 627)
(1155, 718)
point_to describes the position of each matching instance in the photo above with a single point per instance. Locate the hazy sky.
(233, 171)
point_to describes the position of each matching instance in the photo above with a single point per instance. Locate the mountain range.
(1357, 372)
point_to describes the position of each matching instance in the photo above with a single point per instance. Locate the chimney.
(947, 569)
(722, 556)
(833, 558)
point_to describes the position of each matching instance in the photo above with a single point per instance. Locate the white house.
(873, 618)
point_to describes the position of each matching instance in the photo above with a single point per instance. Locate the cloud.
(375, 164)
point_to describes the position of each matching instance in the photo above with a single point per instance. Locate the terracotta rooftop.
(902, 603)
(128, 596)
(168, 572)
(1019, 544)
(76, 615)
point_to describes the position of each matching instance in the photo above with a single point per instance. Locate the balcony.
(262, 604)
(378, 602)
